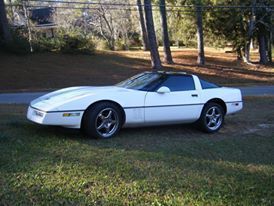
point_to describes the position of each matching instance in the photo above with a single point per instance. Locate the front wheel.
(212, 117)
(103, 120)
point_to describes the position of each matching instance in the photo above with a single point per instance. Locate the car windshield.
(143, 82)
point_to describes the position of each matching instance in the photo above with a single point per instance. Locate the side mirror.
(163, 90)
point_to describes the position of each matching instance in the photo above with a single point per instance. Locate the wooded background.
(83, 26)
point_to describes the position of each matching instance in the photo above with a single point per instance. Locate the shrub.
(48, 44)
(18, 45)
(135, 40)
(177, 43)
(102, 44)
(72, 42)
(65, 44)
(77, 44)
(119, 45)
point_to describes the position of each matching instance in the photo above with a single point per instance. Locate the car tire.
(102, 120)
(212, 118)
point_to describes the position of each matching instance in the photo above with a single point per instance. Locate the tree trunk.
(155, 58)
(112, 44)
(142, 26)
(11, 10)
(251, 25)
(200, 36)
(269, 48)
(239, 53)
(270, 39)
(28, 26)
(178, 43)
(4, 27)
(247, 52)
(166, 44)
(262, 48)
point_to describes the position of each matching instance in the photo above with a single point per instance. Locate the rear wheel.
(103, 120)
(212, 117)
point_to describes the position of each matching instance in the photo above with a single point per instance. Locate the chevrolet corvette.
(149, 98)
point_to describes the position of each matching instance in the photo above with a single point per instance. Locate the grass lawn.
(171, 165)
(45, 71)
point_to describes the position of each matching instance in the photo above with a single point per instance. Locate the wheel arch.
(109, 101)
(220, 102)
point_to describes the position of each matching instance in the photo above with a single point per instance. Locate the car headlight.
(38, 113)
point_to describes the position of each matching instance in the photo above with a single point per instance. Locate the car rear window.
(207, 85)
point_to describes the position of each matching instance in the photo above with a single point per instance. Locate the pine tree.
(155, 57)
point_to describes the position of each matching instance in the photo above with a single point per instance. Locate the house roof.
(42, 15)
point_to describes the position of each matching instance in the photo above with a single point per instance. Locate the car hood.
(54, 99)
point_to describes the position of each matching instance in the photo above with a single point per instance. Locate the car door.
(181, 104)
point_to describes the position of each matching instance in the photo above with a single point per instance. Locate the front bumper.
(54, 118)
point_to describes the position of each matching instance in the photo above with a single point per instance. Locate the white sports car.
(150, 98)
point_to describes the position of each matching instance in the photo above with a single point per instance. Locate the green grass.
(172, 165)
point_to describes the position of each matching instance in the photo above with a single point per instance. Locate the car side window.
(179, 83)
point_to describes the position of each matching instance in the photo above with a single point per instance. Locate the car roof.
(169, 73)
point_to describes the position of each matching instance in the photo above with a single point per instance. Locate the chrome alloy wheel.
(107, 122)
(214, 118)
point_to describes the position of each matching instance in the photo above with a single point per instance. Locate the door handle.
(194, 95)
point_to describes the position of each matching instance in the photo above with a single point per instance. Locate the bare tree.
(200, 35)
(142, 26)
(155, 57)
(4, 27)
(124, 26)
(107, 29)
(110, 24)
(28, 27)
